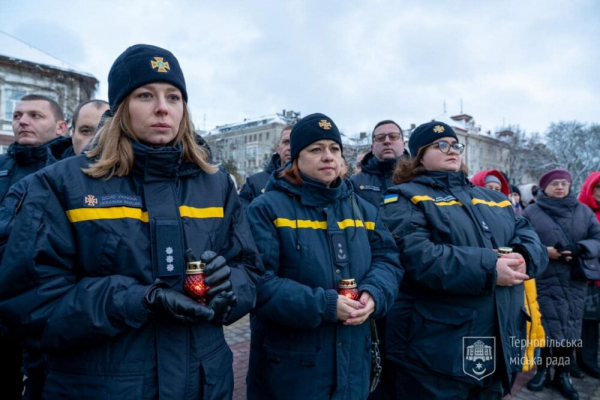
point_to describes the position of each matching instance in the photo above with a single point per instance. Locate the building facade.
(248, 144)
(25, 70)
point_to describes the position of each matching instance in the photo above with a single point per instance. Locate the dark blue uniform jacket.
(309, 238)
(83, 252)
(20, 161)
(375, 178)
(255, 184)
(446, 230)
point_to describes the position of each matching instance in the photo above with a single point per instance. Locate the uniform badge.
(90, 200)
(160, 65)
(479, 356)
(390, 198)
(362, 187)
(326, 125)
(439, 129)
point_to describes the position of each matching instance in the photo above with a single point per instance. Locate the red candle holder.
(194, 281)
(348, 289)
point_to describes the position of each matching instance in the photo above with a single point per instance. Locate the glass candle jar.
(502, 251)
(348, 288)
(194, 281)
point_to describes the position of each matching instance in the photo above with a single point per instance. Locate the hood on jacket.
(586, 196)
(479, 180)
(274, 164)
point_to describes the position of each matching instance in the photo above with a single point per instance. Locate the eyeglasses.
(445, 147)
(559, 183)
(380, 138)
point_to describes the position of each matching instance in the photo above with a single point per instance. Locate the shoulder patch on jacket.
(370, 187)
(112, 200)
(390, 198)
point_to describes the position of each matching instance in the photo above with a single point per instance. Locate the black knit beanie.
(312, 128)
(140, 65)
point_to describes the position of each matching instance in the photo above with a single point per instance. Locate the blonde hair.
(113, 154)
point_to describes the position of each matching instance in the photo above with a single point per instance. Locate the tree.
(527, 157)
(575, 147)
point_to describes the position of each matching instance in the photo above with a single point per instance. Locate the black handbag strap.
(557, 225)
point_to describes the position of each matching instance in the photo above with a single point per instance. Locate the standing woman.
(94, 267)
(457, 295)
(312, 231)
(569, 230)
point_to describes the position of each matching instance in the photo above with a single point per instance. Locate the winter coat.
(479, 180)
(560, 297)
(82, 254)
(586, 196)
(20, 161)
(447, 230)
(255, 184)
(310, 237)
(375, 178)
(535, 330)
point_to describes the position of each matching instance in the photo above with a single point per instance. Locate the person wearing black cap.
(455, 330)
(93, 272)
(312, 232)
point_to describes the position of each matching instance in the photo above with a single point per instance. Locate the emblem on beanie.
(438, 129)
(163, 66)
(325, 124)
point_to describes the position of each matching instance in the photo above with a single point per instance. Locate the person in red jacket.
(492, 179)
(587, 355)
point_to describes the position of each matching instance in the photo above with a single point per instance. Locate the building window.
(11, 101)
(267, 136)
(260, 137)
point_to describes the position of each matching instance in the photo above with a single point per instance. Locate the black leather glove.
(216, 274)
(165, 302)
(222, 305)
(574, 248)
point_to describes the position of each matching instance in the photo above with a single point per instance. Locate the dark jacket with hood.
(447, 229)
(375, 178)
(255, 184)
(83, 252)
(310, 237)
(561, 298)
(20, 161)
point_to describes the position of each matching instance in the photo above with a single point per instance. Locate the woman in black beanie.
(94, 270)
(456, 329)
(310, 341)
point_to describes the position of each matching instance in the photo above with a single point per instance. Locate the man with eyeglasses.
(255, 184)
(377, 167)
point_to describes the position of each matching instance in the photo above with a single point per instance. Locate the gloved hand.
(165, 302)
(222, 304)
(574, 248)
(216, 274)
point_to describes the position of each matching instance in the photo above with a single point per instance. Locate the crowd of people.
(411, 279)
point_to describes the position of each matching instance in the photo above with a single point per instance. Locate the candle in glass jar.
(502, 251)
(348, 289)
(194, 281)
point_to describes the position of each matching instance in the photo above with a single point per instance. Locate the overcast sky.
(511, 62)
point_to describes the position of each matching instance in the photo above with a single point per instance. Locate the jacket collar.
(156, 164)
(32, 154)
(556, 207)
(444, 179)
(311, 192)
(371, 165)
(274, 164)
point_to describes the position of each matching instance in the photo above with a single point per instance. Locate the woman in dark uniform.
(94, 267)
(455, 329)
